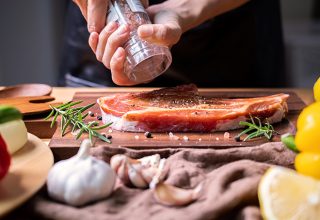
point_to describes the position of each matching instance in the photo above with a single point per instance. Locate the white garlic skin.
(80, 180)
(136, 172)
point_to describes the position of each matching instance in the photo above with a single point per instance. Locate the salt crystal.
(136, 137)
(110, 130)
(200, 139)
(226, 135)
(172, 136)
(217, 138)
(185, 138)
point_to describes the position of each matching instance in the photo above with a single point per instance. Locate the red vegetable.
(5, 158)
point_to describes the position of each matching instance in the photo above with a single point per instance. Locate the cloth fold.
(230, 179)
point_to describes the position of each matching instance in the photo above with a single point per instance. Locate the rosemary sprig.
(74, 116)
(254, 129)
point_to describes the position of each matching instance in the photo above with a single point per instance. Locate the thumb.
(166, 30)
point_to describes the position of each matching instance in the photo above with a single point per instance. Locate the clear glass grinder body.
(145, 61)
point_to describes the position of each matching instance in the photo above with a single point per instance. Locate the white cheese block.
(14, 134)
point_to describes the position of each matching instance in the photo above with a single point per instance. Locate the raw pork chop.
(182, 109)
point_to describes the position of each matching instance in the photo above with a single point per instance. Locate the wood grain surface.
(27, 174)
(66, 146)
(30, 105)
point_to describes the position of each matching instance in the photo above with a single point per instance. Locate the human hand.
(166, 28)
(108, 48)
(95, 12)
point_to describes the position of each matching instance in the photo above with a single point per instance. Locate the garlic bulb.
(138, 173)
(80, 179)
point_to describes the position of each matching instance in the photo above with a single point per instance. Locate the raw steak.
(182, 109)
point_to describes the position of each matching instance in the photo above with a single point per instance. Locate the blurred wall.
(301, 27)
(30, 40)
(296, 9)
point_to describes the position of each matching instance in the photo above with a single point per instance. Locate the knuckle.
(162, 33)
(112, 42)
(92, 27)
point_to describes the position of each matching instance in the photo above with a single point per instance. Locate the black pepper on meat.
(148, 134)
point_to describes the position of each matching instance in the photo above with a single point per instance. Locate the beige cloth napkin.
(230, 179)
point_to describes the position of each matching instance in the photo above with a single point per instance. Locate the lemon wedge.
(285, 194)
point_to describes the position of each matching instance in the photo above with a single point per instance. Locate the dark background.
(32, 31)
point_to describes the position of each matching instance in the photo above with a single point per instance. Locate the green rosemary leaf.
(65, 127)
(68, 105)
(100, 136)
(85, 115)
(54, 119)
(90, 136)
(86, 107)
(63, 120)
(248, 124)
(102, 126)
(80, 133)
(253, 135)
(51, 114)
(256, 129)
(245, 131)
(72, 115)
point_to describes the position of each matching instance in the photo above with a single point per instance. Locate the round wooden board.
(28, 172)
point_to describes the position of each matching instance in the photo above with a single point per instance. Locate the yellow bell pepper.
(307, 137)
(316, 90)
(308, 164)
(308, 125)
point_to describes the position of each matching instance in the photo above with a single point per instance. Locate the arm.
(171, 18)
(174, 17)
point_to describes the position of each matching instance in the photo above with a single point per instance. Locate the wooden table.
(66, 94)
(63, 94)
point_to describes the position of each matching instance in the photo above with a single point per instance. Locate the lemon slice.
(285, 194)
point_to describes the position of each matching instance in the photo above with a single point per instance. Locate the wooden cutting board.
(66, 146)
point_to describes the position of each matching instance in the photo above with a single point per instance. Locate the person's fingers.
(116, 40)
(93, 41)
(96, 15)
(103, 39)
(165, 31)
(82, 4)
(164, 34)
(117, 68)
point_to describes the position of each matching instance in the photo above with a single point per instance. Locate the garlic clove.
(116, 161)
(173, 196)
(139, 173)
(152, 160)
(122, 173)
(149, 173)
(136, 177)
